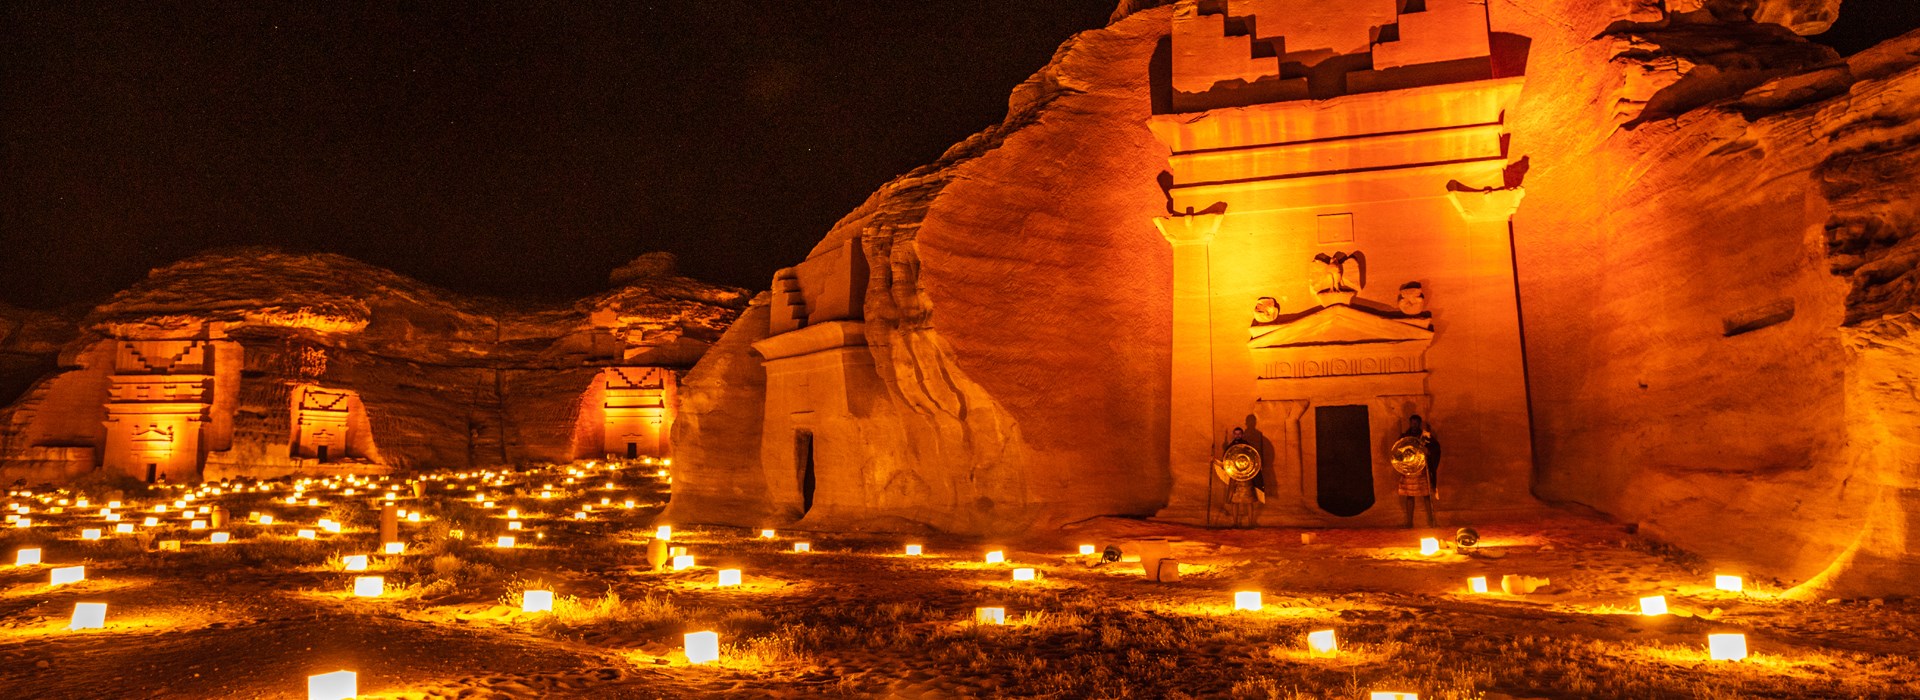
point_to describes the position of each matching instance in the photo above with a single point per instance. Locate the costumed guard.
(1416, 456)
(1237, 468)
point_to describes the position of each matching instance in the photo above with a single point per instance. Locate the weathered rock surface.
(1717, 285)
(445, 380)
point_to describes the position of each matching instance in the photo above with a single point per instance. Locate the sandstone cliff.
(434, 378)
(1715, 260)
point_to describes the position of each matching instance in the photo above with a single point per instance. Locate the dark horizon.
(512, 151)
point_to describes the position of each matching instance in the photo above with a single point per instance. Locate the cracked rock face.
(1715, 259)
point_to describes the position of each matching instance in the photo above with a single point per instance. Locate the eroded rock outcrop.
(1715, 262)
(257, 362)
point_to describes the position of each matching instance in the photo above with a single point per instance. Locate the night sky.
(509, 148)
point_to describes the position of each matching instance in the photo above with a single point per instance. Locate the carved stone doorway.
(803, 460)
(1344, 457)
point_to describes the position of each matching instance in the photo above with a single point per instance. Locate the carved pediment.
(1339, 324)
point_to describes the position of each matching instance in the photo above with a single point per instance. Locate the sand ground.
(856, 617)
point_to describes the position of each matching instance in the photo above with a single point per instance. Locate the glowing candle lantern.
(729, 577)
(764, 534)
(996, 557)
(90, 534)
(369, 586)
(150, 521)
(990, 616)
(112, 517)
(1653, 605)
(169, 545)
(313, 501)
(1727, 583)
(505, 542)
(266, 520)
(197, 525)
(307, 535)
(113, 504)
(684, 561)
(703, 647)
(536, 601)
(580, 515)
(1322, 644)
(628, 504)
(513, 525)
(339, 685)
(67, 574)
(354, 562)
(396, 548)
(331, 526)
(1246, 600)
(487, 504)
(803, 547)
(457, 534)
(1086, 549)
(413, 517)
(27, 557)
(123, 528)
(1727, 647)
(1477, 584)
(88, 616)
(23, 523)
(513, 512)
(1392, 695)
(676, 551)
(1429, 546)
(913, 550)
(1023, 574)
(220, 538)
(664, 533)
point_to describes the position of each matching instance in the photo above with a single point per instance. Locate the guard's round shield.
(1410, 455)
(1241, 462)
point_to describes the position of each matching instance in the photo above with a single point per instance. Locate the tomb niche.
(331, 427)
(1313, 151)
(636, 407)
(820, 384)
(158, 402)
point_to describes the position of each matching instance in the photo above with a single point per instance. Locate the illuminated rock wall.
(1714, 281)
(258, 363)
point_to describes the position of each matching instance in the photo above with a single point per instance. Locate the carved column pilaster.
(1192, 427)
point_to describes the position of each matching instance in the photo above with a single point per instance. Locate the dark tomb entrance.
(803, 461)
(1345, 462)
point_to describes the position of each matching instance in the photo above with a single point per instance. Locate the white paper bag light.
(1323, 644)
(703, 647)
(990, 616)
(536, 601)
(1653, 605)
(339, 685)
(369, 586)
(1727, 647)
(67, 574)
(88, 616)
(1246, 600)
